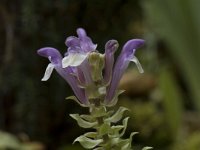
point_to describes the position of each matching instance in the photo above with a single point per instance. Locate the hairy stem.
(100, 120)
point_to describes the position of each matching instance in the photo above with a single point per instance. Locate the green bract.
(109, 131)
(81, 122)
(87, 142)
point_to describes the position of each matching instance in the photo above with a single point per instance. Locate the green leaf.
(99, 111)
(81, 122)
(131, 138)
(115, 99)
(125, 144)
(9, 141)
(115, 141)
(90, 134)
(88, 118)
(125, 122)
(117, 116)
(87, 142)
(147, 148)
(104, 129)
(114, 130)
(76, 100)
(172, 100)
(181, 33)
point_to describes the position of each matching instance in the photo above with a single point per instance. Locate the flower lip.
(72, 41)
(111, 46)
(81, 33)
(86, 43)
(78, 49)
(82, 43)
(73, 59)
(51, 53)
(132, 45)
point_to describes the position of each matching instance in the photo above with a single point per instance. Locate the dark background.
(164, 101)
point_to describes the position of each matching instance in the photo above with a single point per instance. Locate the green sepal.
(114, 130)
(131, 136)
(117, 116)
(125, 122)
(109, 113)
(99, 112)
(147, 148)
(76, 100)
(123, 144)
(126, 144)
(120, 143)
(87, 143)
(104, 129)
(91, 135)
(115, 99)
(88, 118)
(81, 122)
(115, 141)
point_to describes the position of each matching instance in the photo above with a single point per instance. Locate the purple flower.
(55, 59)
(126, 55)
(82, 69)
(110, 48)
(78, 49)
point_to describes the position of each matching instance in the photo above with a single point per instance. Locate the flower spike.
(94, 79)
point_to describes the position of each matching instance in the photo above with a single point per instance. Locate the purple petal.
(72, 41)
(86, 43)
(81, 33)
(110, 48)
(56, 59)
(80, 76)
(121, 65)
(132, 45)
(66, 73)
(85, 69)
(73, 44)
(51, 53)
(80, 44)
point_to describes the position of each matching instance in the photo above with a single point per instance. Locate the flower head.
(91, 74)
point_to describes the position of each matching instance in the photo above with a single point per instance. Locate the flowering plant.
(94, 78)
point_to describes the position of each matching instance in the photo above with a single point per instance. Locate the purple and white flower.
(78, 49)
(55, 59)
(76, 70)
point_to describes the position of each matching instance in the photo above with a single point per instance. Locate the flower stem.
(100, 121)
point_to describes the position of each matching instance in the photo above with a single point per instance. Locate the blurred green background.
(164, 101)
